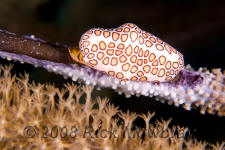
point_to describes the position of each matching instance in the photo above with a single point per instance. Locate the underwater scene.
(105, 75)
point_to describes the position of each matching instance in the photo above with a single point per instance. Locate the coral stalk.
(208, 91)
(34, 47)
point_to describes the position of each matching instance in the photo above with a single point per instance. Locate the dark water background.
(194, 27)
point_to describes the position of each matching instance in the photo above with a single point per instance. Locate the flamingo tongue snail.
(128, 53)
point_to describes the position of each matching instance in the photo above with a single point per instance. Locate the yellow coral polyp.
(31, 118)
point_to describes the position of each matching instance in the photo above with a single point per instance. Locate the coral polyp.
(41, 116)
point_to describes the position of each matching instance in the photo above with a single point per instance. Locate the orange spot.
(143, 79)
(119, 29)
(155, 63)
(154, 71)
(148, 34)
(115, 36)
(167, 48)
(123, 25)
(140, 62)
(140, 54)
(159, 40)
(114, 61)
(110, 52)
(168, 78)
(120, 46)
(81, 44)
(168, 65)
(145, 61)
(124, 37)
(172, 72)
(161, 72)
(180, 55)
(98, 32)
(167, 73)
(148, 43)
(133, 58)
(175, 65)
(111, 45)
(144, 35)
(93, 62)
(111, 73)
(152, 39)
(133, 69)
(91, 55)
(94, 48)
(102, 45)
(133, 36)
(86, 43)
(176, 72)
(141, 39)
(86, 50)
(159, 47)
(100, 55)
(136, 49)
(174, 50)
(90, 32)
(138, 30)
(123, 58)
(118, 52)
(128, 50)
(106, 34)
(147, 68)
(181, 68)
(119, 75)
(181, 61)
(162, 60)
(126, 29)
(126, 67)
(131, 25)
(134, 78)
(105, 61)
(146, 53)
(85, 37)
(140, 73)
(151, 57)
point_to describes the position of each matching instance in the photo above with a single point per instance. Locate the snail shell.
(129, 53)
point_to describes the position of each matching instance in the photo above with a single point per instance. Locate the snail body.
(129, 53)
